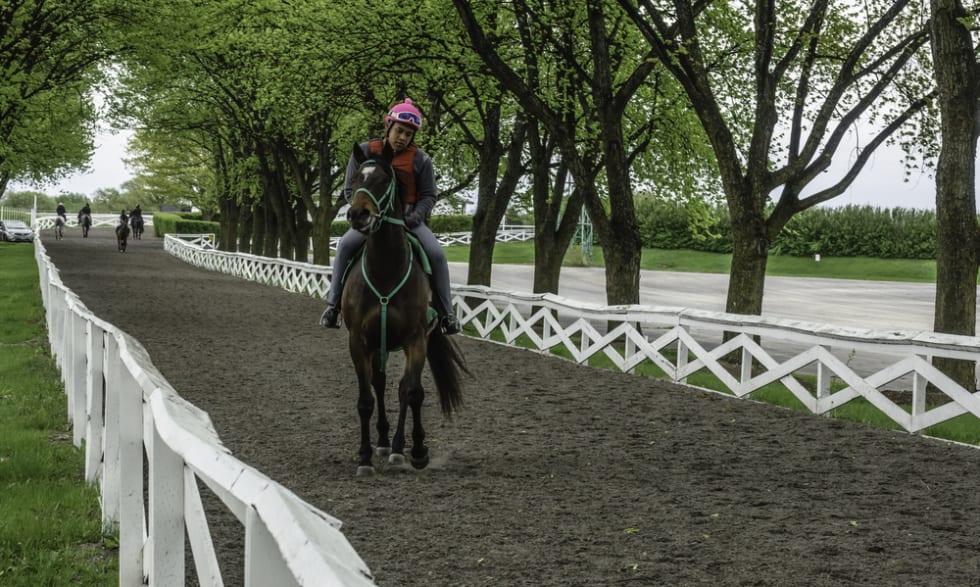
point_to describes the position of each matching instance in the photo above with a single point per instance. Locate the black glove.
(412, 220)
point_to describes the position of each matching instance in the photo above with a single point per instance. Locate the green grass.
(50, 524)
(863, 268)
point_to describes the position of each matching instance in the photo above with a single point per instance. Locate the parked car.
(15, 230)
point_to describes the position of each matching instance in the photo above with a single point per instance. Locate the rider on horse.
(413, 166)
(62, 212)
(136, 218)
(85, 211)
(123, 218)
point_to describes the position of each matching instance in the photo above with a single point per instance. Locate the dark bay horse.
(136, 222)
(385, 307)
(122, 235)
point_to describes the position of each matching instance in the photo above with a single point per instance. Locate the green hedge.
(849, 231)
(166, 223)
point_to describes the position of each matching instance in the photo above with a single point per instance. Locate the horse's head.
(375, 197)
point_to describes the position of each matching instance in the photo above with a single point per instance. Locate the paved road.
(878, 305)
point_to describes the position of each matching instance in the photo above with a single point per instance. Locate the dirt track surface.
(553, 474)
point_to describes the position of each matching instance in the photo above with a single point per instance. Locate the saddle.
(416, 245)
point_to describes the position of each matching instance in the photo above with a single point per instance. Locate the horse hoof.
(421, 463)
(383, 451)
(365, 471)
(396, 459)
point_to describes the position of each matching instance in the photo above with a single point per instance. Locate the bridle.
(383, 203)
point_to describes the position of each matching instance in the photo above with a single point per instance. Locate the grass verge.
(50, 524)
(863, 268)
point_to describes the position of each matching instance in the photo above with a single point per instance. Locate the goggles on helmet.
(408, 117)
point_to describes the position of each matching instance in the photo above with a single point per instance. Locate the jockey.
(136, 217)
(413, 166)
(123, 219)
(61, 211)
(85, 210)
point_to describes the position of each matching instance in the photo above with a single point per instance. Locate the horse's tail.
(446, 362)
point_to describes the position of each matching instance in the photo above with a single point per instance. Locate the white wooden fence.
(682, 341)
(505, 234)
(120, 406)
(43, 221)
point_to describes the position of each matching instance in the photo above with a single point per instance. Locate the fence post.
(130, 403)
(77, 347)
(95, 406)
(110, 467)
(166, 484)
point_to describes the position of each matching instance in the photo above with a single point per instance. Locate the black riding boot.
(330, 317)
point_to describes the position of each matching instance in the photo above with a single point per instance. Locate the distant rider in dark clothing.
(85, 210)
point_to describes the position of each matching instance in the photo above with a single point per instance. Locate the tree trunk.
(555, 219)
(493, 195)
(304, 228)
(956, 217)
(246, 226)
(229, 208)
(750, 254)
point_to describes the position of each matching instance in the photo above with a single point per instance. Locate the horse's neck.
(387, 249)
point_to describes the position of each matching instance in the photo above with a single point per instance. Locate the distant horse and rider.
(85, 219)
(122, 232)
(136, 222)
(60, 221)
(59, 227)
(386, 307)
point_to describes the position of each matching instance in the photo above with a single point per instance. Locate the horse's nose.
(359, 217)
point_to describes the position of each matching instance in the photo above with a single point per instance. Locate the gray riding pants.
(352, 241)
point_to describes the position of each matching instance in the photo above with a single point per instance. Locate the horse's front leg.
(379, 381)
(365, 407)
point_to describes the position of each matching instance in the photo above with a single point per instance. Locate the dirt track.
(554, 474)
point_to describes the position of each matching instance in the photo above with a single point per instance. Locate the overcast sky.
(881, 182)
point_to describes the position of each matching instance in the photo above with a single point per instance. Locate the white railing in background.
(505, 234)
(119, 406)
(45, 220)
(682, 342)
(305, 278)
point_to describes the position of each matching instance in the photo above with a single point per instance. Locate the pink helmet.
(406, 113)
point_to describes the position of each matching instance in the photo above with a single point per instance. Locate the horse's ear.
(358, 154)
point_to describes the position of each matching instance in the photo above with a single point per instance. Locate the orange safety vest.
(404, 164)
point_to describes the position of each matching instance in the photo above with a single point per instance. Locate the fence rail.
(42, 221)
(121, 408)
(505, 234)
